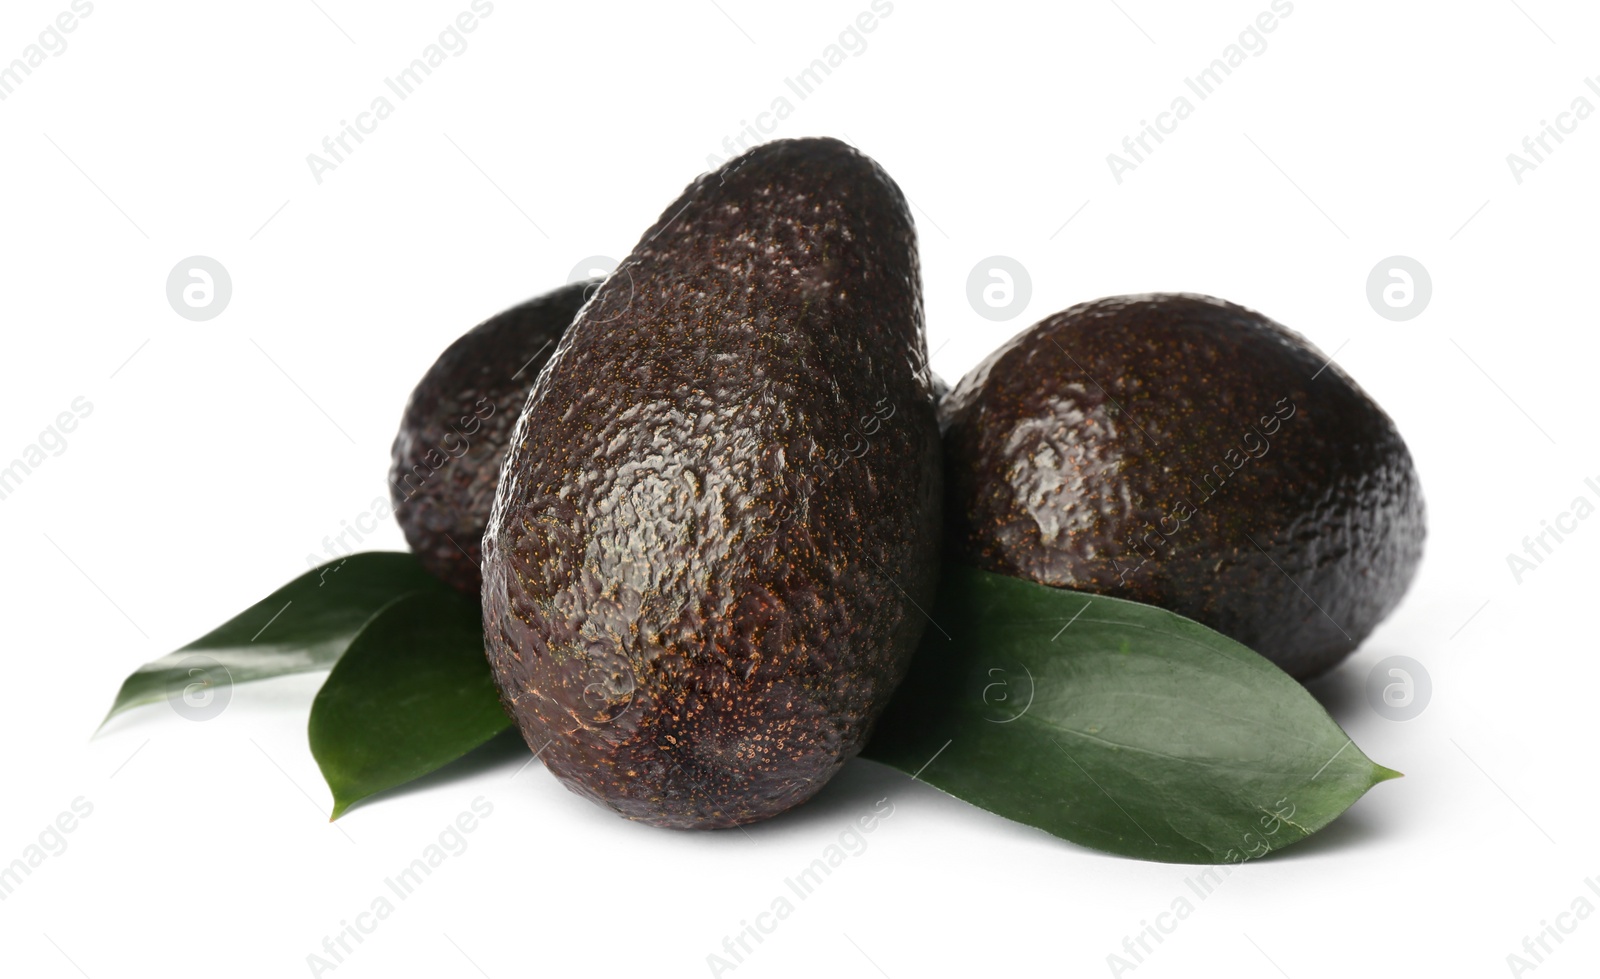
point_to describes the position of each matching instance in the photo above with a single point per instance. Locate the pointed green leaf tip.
(1116, 725)
(303, 626)
(412, 693)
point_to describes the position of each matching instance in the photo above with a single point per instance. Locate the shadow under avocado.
(846, 797)
(505, 751)
(1341, 692)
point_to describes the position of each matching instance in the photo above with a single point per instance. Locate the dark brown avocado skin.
(446, 459)
(722, 507)
(1188, 453)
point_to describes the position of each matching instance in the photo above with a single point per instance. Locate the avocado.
(446, 459)
(721, 511)
(1185, 452)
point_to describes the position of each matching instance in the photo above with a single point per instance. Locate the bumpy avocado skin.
(453, 436)
(1186, 452)
(722, 507)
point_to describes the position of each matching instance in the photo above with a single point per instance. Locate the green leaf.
(412, 693)
(1116, 725)
(303, 626)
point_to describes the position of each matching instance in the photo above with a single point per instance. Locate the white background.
(223, 452)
